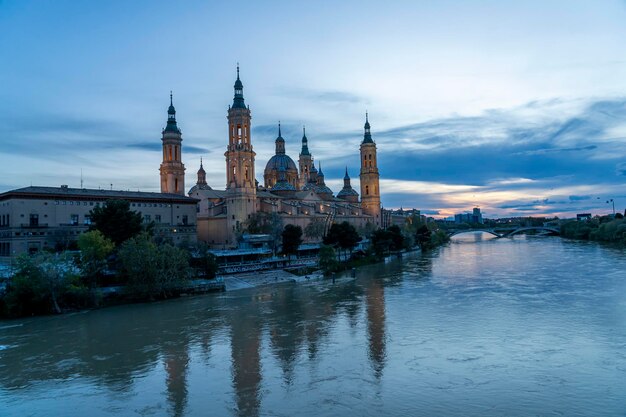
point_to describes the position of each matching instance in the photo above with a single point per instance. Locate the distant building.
(400, 217)
(474, 217)
(38, 218)
(583, 216)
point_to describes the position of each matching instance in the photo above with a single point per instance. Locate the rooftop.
(76, 193)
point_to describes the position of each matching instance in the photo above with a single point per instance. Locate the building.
(401, 217)
(297, 192)
(474, 217)
(37, 218)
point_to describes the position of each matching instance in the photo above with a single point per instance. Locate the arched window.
(367, 190)
(176, 153)
(176, 184)
(170, 148)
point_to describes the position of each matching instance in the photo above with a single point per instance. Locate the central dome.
(273, 167)
(277, 161)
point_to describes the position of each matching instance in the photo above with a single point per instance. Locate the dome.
(199, 187)
(346, 192)
(277, 161)
(283, 186)
(323, 189)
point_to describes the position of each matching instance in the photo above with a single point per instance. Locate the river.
(481, 327)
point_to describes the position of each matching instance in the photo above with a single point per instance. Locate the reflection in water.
(469, 330)
(245, 345)
(176, 362)
(375, 301)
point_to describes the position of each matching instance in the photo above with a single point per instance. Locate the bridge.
(508, 232)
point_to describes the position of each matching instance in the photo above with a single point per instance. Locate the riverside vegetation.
(601, 229)
(119, 251)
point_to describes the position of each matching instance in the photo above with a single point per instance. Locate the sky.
(516, 107)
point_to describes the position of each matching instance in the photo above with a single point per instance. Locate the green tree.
(397, 238)
(327, 259)
(292, 239)
(151, 270)
(56, 271)
(94, 249)
(205, 261)
(315, 229)
(116, 221)
(268, 224)
(381, 242)
(342, 235)
(422, 236)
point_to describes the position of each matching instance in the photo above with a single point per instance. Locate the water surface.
(493, 327)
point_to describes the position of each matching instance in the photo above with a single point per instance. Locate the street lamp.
(613, 203)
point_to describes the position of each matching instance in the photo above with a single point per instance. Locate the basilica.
(296, 192)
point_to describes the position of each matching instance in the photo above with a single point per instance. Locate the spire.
(367, 137)
(305, 143)
(280, 143)
(171, 117)
(201, 174)
(238, 101)
(346, 177)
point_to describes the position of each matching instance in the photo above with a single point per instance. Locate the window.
(185, 220)
(157, 218)
(367, 190)
(87, 220)
(146, 218)
(74, 219)
(34, 220)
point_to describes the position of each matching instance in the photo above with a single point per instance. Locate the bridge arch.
(550, 230)
(460, 232)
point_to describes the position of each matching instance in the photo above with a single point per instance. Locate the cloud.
(157, 147)
(579, 197)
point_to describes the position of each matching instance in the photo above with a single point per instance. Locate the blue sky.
(518, 107)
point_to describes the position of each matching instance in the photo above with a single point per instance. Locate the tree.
(349, 237)
(268, 224)
(153, 270)
(397, 239)
(205, 261)
(116, 221)
(292, 239)
(56, 270)
(422, 236)
(94, 249)
(342, 235)
(381, 242)
(315, 229)
(327, 259)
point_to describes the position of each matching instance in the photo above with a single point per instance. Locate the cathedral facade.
(296, 192)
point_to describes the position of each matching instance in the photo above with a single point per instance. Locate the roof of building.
(83, 193)
(345, 191)
(276, 161)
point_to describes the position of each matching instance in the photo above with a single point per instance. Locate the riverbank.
(256, 279)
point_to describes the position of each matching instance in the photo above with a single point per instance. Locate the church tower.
(172, 168)
(305, 161)
(240, 179)
(370, 191)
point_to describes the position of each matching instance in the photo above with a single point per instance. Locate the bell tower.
(240, 179)
(305, 162)
(370, 191)
(172, 168)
